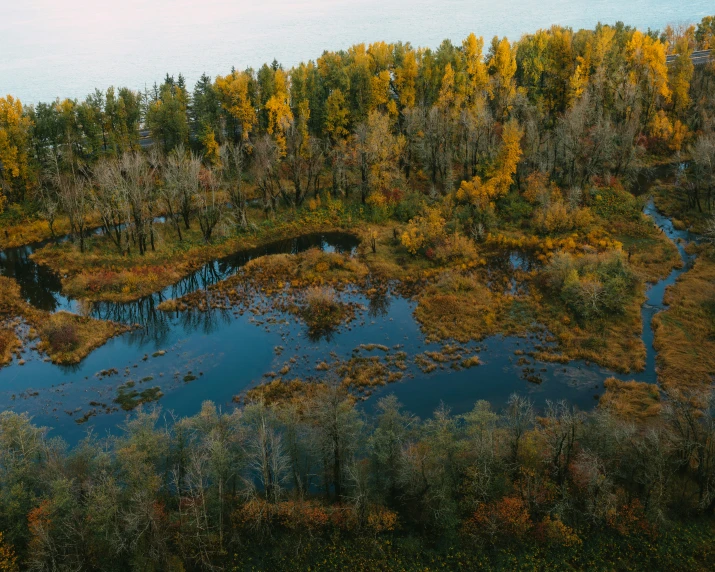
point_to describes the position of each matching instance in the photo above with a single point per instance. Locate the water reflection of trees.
(156, 324)
(378, 305)
(38, 284)
(41, 287)
(207, 322)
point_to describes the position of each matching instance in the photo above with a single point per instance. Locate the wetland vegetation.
(527, 226)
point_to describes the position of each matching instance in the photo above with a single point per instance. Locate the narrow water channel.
(227, 352)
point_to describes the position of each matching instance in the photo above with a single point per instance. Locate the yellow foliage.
(661, 127)
(680, 135)
(336, 116)
(423, 231)
(557, 217)
(211, 148)
(558, 533)
(380, 88)
(673, 134)
(447, 96)
(477, 78)
(502, 66)
(279, 112)
(381, 519)
(233, 93)
(579, 80)
(646, 57)
(8, 559)
(376, 200)
(14, 141)
(482, 194)
(405, 77)
(681, 71)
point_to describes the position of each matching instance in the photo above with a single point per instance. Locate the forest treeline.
(274, 486)
(374, 122)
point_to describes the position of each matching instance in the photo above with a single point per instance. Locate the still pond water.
(228, 351)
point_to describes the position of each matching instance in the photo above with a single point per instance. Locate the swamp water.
(218, 354)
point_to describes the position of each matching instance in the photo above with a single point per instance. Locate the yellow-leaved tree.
(477, 76)
(502, 67)
(14, 148)
(424, 230)
(279, 112)
(481, 194)
(448, 98)
(406, 80)
(681, 71)
(648, 71)
(211, 149)
(233, 94)
(337, 116)
(8, 559)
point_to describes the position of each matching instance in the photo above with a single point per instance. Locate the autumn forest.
(557, 190)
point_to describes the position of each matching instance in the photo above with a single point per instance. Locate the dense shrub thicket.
(266, 482)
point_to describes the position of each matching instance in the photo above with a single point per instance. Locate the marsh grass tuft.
(631, 399)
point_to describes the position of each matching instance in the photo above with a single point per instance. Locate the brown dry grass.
(35, 230)
(322, 311)
(281, 391)
(310, 268)
(80, 335)
(101, 273)
(631, 400)
(652, 254)
(89, 334)
(8, 344)
(462, 308)
(392, 261)
(685, 332)
(614, 342)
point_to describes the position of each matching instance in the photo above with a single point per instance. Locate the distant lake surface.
(51, 48)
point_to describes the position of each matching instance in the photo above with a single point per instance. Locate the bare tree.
(304, 160)
(266, 164)
(49, 201)
(691, 417)
(336, 425)
(111, 201)
(181, 178)
(210, 204)
(74, 196)
(140, 188)
(233, 159)
(703, 153)
(561, 427)
(518, 418)
(266, 455)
